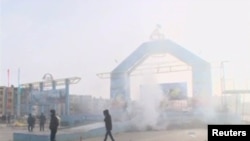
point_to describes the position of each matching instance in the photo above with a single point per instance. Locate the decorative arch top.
(201, 72)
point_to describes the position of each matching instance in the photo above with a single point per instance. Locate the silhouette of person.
(42, 121)
(54, 122)
(108, 124)
(31, 122)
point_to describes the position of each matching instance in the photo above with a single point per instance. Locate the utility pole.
(223, 81)
(18, 107)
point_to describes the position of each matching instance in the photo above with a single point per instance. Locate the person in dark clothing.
(42, 121)
(31, 123)
(108, 124)
(54, 122)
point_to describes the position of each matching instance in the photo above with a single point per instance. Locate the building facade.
(8, 97)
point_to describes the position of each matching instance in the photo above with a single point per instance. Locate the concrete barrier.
(30, 137)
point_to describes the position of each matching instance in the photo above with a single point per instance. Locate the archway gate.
(201, 69)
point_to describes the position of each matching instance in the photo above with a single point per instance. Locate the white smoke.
(148, 111)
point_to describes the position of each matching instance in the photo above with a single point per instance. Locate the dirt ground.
(6, 133)
(174, 135)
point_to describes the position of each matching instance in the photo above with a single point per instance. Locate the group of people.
(32, 121)
(53, 125)
(54, 122)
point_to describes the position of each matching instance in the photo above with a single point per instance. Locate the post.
(67, 96)
(222, 77)
(7, 93)
(18, 95)
(223, 81)
(41, 90)
(31, 98)
(54, 89)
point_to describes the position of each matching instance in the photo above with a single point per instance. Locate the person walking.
(108, 125)
(54, 122)
(42, 121)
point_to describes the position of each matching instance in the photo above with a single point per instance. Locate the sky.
(84, 37)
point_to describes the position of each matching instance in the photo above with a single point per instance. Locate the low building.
(8, 97)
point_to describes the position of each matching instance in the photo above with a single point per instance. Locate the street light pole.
(18, 95)
(223, 81)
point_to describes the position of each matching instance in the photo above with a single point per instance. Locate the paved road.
(6, 133)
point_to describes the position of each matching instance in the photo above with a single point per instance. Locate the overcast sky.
(84, 37)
